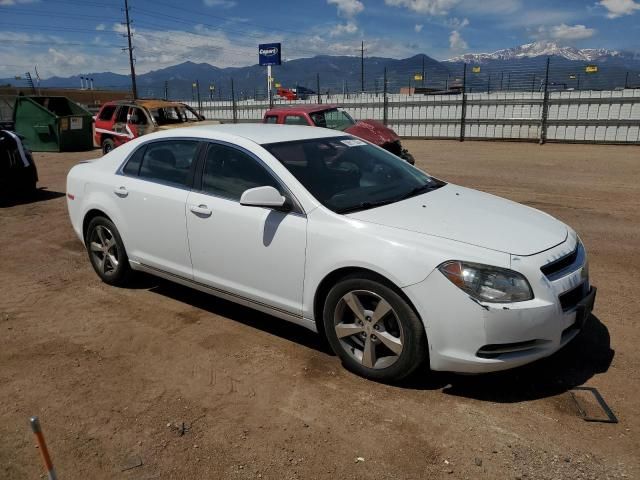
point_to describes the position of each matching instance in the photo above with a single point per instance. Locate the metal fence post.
(384, 98)
(233, 103)
(198, 93)
(318, 87)
(545, 106)
(464, 103)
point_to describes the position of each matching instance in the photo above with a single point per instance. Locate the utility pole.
(422, 70)
(134, 88)
(362, 67)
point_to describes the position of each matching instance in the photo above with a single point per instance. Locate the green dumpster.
(53, 124)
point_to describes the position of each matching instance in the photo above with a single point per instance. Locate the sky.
(67, 37)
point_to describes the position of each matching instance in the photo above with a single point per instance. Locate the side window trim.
(197, 184)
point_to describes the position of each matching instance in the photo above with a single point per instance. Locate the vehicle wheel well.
(334, 277)
(91, 214)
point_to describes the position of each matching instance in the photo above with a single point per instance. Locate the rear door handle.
(121, 191)
(201, 210)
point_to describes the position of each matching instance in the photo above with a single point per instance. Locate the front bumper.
(472, 337)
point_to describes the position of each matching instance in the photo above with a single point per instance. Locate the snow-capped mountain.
(540, 49)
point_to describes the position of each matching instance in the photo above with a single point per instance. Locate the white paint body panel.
(275, 261)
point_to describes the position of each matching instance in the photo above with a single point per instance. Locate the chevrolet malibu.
(327, 231)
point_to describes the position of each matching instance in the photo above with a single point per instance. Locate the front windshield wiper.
(364, 206)
(427, 187)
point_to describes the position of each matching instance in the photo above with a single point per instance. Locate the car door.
(252, 253)
(152, 192)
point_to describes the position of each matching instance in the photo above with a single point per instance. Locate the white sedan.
(322, 229)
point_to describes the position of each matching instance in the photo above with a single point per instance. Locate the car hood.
(373, 131)
(472, 217)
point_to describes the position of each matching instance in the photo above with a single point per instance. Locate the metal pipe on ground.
(42, 445)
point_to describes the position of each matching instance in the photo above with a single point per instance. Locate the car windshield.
(333, 118)
(346, 174)
(171, 115)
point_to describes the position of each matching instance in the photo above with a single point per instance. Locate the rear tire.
(106, 252)
(108, 145)
(373, 329)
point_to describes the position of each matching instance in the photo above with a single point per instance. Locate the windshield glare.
(334, 119)
(346, 174)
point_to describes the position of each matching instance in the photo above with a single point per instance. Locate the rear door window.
(169, 162)
(107, 112)
(271, 119)
(121, 116)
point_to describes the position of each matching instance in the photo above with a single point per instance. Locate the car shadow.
(40, 195)
(588, 354)
(233, 311)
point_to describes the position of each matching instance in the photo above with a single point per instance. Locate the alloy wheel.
(104, 249)
(369, 329)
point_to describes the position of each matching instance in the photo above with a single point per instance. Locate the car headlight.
(487, 283)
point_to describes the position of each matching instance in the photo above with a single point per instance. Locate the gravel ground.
(157, 381)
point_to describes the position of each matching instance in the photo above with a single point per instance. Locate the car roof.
(260, 133)
(305, 108)
(150, 103)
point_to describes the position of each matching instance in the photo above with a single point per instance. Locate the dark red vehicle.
(330, 116)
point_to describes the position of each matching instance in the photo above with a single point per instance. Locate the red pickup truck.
(330, 116)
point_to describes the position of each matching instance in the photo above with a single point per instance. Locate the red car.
(121, 121)
(330, 116)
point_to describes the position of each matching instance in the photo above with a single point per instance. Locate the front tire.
(373, 329)
(106, 252)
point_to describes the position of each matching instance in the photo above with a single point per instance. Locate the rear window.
(107, 112)
(168, 161)
(271, 119)
(295, 120)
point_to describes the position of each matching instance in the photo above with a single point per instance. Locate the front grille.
(570, 299)
(550, 269)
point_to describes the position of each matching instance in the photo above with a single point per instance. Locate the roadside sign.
(591, 69)
(476, 69)
(572, 76)
(269, 54)
(417, 76)
(278, 85)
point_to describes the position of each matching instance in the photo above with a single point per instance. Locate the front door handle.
(121, 191)
(201, 210)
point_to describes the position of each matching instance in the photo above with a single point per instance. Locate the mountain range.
(546, 49)
(523, 66)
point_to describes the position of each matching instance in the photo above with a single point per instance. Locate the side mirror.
(265, 196)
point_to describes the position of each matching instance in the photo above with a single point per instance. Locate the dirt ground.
(156, 381)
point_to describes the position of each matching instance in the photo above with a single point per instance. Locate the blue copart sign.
(269, 54)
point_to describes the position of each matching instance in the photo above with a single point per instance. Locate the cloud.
(220, 3)
(456, 42)
(567, 32)
(347, 8)
(490, 7)
(456, 23)
(418, 27)
(100, 27)
(428, 7)
(619, 8)
(6, 3)
(348, 28)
